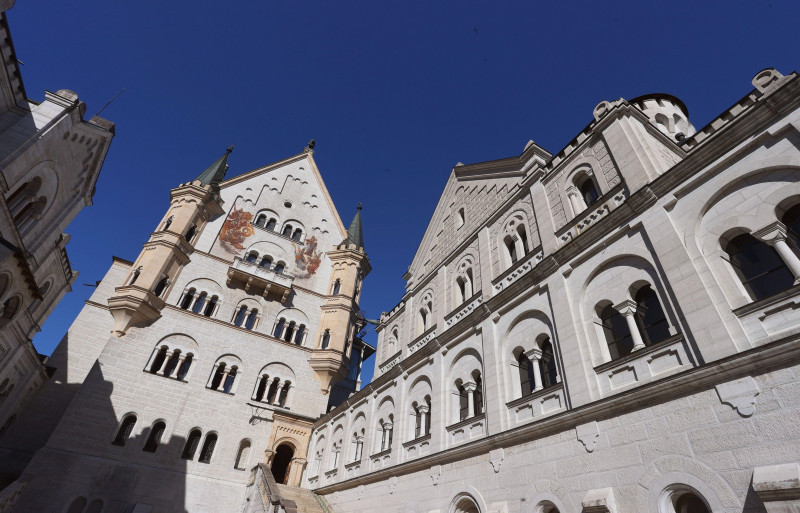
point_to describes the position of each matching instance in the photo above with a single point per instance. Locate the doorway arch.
(281, 463)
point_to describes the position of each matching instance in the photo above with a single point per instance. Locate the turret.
(139, 302)
(340, 320)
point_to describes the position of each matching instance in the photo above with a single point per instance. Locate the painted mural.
(307, 258)
(235, 230)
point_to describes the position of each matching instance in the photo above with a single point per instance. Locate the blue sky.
(394, 94)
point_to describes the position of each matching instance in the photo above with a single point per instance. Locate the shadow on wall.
(70, 452)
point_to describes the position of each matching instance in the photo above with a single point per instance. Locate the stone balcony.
(255, 276)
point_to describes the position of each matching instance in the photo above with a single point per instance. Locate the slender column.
(775, 236)
(359, 447)
(167, 358)
(224, 378)
(277, 398)
(575, 200)
(177, 369)
(535, 355)
(389, 428)
(211, 378)
(470, 387)
(423, 426)
(628, 309)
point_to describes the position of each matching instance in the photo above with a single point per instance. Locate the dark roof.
(355, 235)
(216, 171)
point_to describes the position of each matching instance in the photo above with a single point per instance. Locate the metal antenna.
(109, 101)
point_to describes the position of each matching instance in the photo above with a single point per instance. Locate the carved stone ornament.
(496, 459)
(587, 434)
(740, 394)
(436, 473)
(392, 484)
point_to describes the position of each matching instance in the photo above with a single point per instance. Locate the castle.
(611, 328)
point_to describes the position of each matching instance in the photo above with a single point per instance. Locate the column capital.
(772, 233)
(387, 426)
(534, 354)
(572, 191)
(626, 308)
(470, 386)
(423, 409)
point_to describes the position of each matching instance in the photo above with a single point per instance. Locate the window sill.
(637, 354)
(537, 405)
(767, 301)
(463, 310)
(381, 454)
(221, 391)
(172, 378)
(353, 464)
(417, 440)
(423, 339)
(534, 395)
(466, 422)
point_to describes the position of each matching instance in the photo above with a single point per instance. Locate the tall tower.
(140, 301)
(340, 312)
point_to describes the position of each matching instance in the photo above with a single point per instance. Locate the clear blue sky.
(395, 95)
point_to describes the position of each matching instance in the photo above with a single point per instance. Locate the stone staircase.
(305, 500)
(266, 496)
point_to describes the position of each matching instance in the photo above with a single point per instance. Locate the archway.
(281, 463)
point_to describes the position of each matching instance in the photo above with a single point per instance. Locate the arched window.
(279, 328)
(167, 223)
(460, 218)
(511, 248)
(287, 335)
(337, 286)
(216, 381)
(650, 317)
(161, 287)
(212, 304)
(198, 304)
(230, 379)
(301, 331)
(463, 402)
(547, 364)
(184, 369)
(158, 361)
(758, 266)
(238, 319)
(251, 319)
(462, 289)
(172, 363)
(523, 237)
(616, 332)
(10, 308)
(279, 267)
(791, 219)
(271, 224)
(526, 375)
(242, 455)
(186, 302)
(272, 393)
(261, 220)
(266, 262)
(208, 448)
(478, 395)
(387, 433)
(287, 231)
(297, 234)
(326, 339)
(252, 257)
(190, 233)
(124, 431)
(262, 388)
(588, 191)
(154, 438)
(192, 441)
(284, 394)
(690, 503)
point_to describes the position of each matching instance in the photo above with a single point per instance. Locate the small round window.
(287, 204)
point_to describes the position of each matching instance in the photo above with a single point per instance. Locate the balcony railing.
(254, 275)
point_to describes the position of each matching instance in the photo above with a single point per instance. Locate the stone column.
(423, 426)
(628, 309)
(296, 472)
(775, 236)
(163, 367)
(359, 447)
(388, 428)
(177, 369)
(575, 200)
(470, 387)
(224, 379)
(535, 356)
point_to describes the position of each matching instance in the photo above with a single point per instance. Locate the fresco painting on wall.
(235, 230)
(307, 258)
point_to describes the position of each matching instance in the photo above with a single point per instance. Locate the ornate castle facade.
(613, 328)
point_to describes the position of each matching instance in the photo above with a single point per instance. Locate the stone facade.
(613, 329)
(50, 159)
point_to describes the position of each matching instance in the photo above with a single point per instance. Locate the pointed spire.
(216, 171)
(354, 234)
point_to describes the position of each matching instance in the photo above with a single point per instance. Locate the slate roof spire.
(216, 171)
(355, 235)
